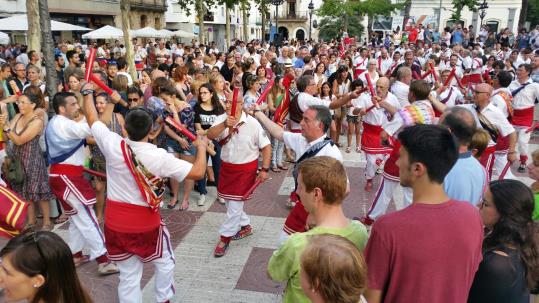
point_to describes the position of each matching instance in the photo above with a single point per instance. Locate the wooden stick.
(89, 64)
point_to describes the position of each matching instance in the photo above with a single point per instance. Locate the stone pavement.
(239, 276)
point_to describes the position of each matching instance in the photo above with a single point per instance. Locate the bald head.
(382, 86)
(484, 87)
(461, 122)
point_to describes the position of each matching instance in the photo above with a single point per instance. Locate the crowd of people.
(441, 116)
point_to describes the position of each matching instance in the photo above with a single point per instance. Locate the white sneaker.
(107, 268)
(201, 200)
(221, 200)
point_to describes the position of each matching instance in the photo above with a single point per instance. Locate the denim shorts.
(174, 146)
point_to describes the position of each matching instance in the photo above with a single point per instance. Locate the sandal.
(61, 219)
(348, 149)
(358, 149)
(171, 206)
(184, 207)
(275, 169)
(283, 167)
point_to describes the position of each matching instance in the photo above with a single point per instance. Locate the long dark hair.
(45, 253)
(214, 99)
(515, 203)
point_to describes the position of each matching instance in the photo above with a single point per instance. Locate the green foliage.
(329, 27)
(332, 8)
(458, 5)
(533, 12)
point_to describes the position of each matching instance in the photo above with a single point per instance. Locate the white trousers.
(374, 161)
(383, 196)
(131, 273)
(235, 218)
(84, 230)
(501, 164)
(523, 138)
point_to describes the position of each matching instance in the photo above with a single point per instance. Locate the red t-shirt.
(425, 253)
(413, 35)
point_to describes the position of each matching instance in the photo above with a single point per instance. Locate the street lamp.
(483, 10)
(277, 3)
(310, 7)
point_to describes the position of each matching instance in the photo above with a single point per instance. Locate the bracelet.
(264, 169)
(86, 92)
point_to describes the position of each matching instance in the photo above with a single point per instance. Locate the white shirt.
(363, 78)
(360, 62)
(395, 125)
(400, 90)
(69, 130)
(384, 64)
(526, 97)
(121, 185)
(455, 98)
(376, 116)
(521, 61)
(299, 145)
(244, 146)
(499, 102)
(495, 117)
(305, 100)
(477, 66)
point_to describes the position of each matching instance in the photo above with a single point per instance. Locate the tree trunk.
(48, 50)
(523, 14)
(227, 29)
(245, 22)
(34, 29)
(263, 12)
(200, 11)
(125, 9)
(407, 9)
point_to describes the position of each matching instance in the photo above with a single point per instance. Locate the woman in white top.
(372, 71)
(354, 121)
(319, 75)
(327, 94)
(341, 86)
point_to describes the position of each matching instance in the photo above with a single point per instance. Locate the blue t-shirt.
(299, 63)
(457, 37)
(466, 180)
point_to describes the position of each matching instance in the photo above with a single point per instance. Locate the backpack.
(295, 112)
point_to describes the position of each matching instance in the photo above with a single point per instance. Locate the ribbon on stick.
(89, 64)
(265, 92)
(100, 83)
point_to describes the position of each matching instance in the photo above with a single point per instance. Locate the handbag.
(15, 171)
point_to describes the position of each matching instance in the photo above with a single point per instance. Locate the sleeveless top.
(113, 125)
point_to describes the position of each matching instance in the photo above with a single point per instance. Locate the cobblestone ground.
(239, 276)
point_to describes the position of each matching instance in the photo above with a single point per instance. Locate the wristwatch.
(86, 92)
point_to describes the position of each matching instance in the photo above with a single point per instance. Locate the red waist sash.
(66, 169)
(523, 117)
(130, 218)
(391, 169)
(371, 142)
(236, 179)
(502, 144)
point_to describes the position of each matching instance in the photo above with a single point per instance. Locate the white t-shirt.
(69, 129)
(299, 145)
(121, 185)
(245, 145)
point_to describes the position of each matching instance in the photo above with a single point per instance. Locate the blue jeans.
(216, 165)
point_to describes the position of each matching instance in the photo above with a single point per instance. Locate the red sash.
(296, 219)
(12, 213)
(391, 170)
(508, 99)
(502, 144)
(523, 117)
(371, 142)
(67, 179)
(236, 179)
(133, 230)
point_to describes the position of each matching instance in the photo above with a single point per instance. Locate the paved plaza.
(239, 276)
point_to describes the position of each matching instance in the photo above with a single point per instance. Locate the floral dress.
(35, 186)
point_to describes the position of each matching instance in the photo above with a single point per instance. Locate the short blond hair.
(335, 268)
(327, 174)
(479, 142)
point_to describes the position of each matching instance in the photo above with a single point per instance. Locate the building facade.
(500, 14)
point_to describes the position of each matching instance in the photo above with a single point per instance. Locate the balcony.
(150, 5)
(301, 16)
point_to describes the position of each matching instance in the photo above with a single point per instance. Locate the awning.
(106, 32)
(20, 23)
(147, 32)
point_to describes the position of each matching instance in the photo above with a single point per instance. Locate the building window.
(157, 23)
(493, 25)
(143, 21)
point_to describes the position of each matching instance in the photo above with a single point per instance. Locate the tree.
(355, 8)
(533, 12)
(200, 13)
(329, 27)
(459, 5)
(125, 8)
(48, 49)
(523, 13)
(34, 29)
